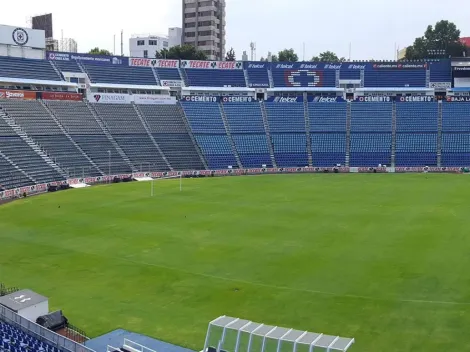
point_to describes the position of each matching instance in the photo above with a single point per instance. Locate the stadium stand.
(209, 130)
(67, 66)
(371, 134)
(119, 74)
(13, 339)
(214, 78)
(258, 76)
(27, 69)
(455, 134)
(328, 133)
(417, 132)
(374, 77)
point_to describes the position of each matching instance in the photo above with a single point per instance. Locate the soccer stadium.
(156, 205)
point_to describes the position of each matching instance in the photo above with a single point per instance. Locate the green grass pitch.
(381, 258)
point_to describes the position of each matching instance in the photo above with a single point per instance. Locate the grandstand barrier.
(41, 333)
(42, 188)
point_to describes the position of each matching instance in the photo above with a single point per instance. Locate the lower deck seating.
(13, 339)
(217, 150)
(370, 149)
(416, 149)
(11, 177)
(253, 150)
(328, 149)
(290, 150)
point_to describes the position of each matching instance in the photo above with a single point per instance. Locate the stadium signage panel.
(109, 98)
(17, 94)
(465, 99)
(373, 99)
(297, 99)
(200, 99)
(461, 68)
(419, 98)
(159, 63)
(95, 59)
(212, 65)
(440, 85)
(26, 37)
(172, 83)
(257, 65)
(61, 96)
(258, 85)
(399, 66)
(146, 99)
(320, 99)
(237, 99)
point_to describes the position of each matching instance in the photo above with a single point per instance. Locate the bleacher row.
(257, 75)
(86, 139)
(13, 339)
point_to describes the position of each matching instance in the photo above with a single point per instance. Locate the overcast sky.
(371, 26)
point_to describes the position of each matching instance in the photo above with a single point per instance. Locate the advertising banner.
(465, 99)
(158, 63)
(254, 65)
(373, 99)
(212, 65)
(298, 99)
(145, 99)
(321, 99)
(172, 83)
(306, 66)
(200, 99)
(61, 96)
(440, 85)
(237, 99)
(398, 66)
(26, 37)
(418, 98)
(94, 59)
(17, 94)
(109, 98)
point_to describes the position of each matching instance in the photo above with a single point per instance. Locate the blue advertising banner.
(417, 98)
(306, 66)
(323, 99)
(464, 99)
(256, 65)
(237, 99)
(373, 99)
(200, 99)
(298, 99)
(94, 59)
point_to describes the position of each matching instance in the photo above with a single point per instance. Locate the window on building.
(140, 42)
(165, 44)
(190, 15)
(146, 53)
(153, 42)
(206, 3)
(191, 25)
(190, 34)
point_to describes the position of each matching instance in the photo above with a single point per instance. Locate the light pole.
(109, 164)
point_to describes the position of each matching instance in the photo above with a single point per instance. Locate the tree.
(287, 55)
(181, 52)
(98, 51)
(441, 40)
(274, 58)
(230, 55)
(328, 56)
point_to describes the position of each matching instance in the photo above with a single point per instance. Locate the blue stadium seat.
(117, 74)
(328, 149)
(290, 149)
(14, 67)
(13, 339)
(215, 78)
(67, 66)
(395, 78)
(257, 74)
(168, 74)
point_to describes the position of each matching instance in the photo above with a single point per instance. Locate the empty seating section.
(416, 140)
(328, 133)
(440, 71)
(128, 131)
(168, 74)
(455, 134)
(257, 75)
(11, 177)
(349, 74)
(371, 134)
(395, 78)
(168, 129)
(247, 129)
(13, 67)
(77, 119)
(215, 78)
(118, 74)
(287, 126)
(22, 155)
(208, 127)
(13, 339)
(38, 124)
(67, 66)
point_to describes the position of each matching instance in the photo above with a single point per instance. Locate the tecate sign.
(140, 62)
(214, 65)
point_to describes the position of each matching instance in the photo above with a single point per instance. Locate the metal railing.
(41, 333)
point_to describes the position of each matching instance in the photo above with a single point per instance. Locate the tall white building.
(204, 26)
(147, 45)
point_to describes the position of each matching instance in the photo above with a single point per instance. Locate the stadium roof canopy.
(235, 334)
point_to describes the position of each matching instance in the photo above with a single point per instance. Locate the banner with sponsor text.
(61, 96)
(109, 98)
(212, 65)
(17, 94)
(462, 99)
(158, 63)
(172, 83)
(94, 59)
(149, 99)
(200, 99)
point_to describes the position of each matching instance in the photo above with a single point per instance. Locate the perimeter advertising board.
(212, 65)
(94, 59)
(20, 36)
(17, 94)
(158, 63)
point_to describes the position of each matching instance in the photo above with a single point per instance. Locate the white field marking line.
(286, 288)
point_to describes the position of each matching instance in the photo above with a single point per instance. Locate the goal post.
(152, 183)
